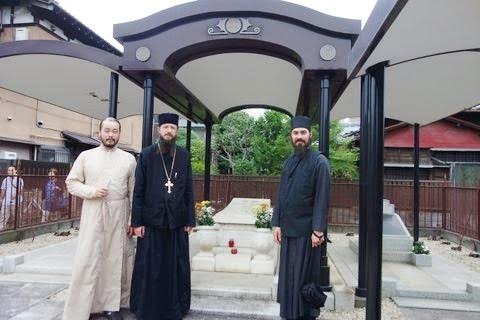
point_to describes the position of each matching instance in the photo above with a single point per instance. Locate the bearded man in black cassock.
(163, 216)
(299, 220)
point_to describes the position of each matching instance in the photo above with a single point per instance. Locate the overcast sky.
(100, 15)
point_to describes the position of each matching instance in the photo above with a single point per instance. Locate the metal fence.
(442, 206)
(25, 204)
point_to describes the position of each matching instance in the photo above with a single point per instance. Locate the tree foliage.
(243, 145)
(197, 152)
(232, 144)
(271, 144)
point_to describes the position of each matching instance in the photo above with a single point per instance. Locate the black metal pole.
(361, 290)
(188, 143)
(147, 111)
(416, 182)
(323, 146)
(375, 192)
(208, 159)
(113, 101)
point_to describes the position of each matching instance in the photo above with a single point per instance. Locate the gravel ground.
(437, 248)
(34, 243)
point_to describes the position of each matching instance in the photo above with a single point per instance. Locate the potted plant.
(263, 222)
(421, 254)
(207, 235)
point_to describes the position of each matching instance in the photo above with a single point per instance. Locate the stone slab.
(344, 298)
(45, 310)
(227, 262)
(249, 286)
(10, 262)
(451, 295)
(472, 306)
(474, 290)
(239, 211)
(203, 263)
(421, 260)
(17, 297)
(243, 308)
(259, 266)
(389, 287)
(393, 225)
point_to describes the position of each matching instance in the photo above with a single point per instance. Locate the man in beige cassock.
(104, 178)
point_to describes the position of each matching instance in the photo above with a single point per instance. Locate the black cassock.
(302, 206)
(161, 286)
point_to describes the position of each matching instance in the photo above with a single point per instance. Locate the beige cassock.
(104, 259)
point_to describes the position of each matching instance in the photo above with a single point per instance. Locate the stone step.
(234, 307)
(450, 295)
(397, 256)
(388, 208)
(36, 277)
(388, 255)
(43, 269)
(264, 294)
(452, 305)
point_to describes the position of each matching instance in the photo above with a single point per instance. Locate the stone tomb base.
(237, 222)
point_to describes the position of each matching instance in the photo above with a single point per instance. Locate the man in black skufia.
(299, 220)
(163, 216)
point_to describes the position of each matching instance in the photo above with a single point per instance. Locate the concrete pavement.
(437, 292)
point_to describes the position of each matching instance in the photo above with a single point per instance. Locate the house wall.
(440, 134)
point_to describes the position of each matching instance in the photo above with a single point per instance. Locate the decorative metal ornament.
(234, 26)
(142, 54)
(328, 52)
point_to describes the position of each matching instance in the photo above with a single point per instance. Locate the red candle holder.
(231, 243)
(234, 251)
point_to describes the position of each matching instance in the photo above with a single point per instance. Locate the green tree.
(233, 144)
(343, 156)
(271, 144)
(197, 152)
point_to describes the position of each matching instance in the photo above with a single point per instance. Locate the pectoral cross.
(169, 185)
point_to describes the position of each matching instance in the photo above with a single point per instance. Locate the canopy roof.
(212, 57)
(73, 76)
(431, 50)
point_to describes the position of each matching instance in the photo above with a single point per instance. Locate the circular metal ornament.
(328, 52)
(233, 25)
(142, 54)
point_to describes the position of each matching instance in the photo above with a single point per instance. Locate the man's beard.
(301, 148)
(109, 143)
(167, 145)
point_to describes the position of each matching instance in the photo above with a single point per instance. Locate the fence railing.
(25, 202)
(442, 206)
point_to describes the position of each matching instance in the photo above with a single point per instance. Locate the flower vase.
(207, 239)
(263, 243)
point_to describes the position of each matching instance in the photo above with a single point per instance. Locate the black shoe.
(96, 316)
(113, 315)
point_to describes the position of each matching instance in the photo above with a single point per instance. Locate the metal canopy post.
(416, 182)
(375, 106)
(208, 158)
(323, 145)
(147, 111)
(361, 290)
(113, 100)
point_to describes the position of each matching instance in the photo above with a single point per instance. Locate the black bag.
(313, 294)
